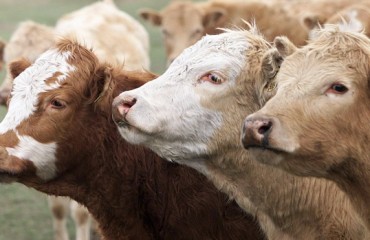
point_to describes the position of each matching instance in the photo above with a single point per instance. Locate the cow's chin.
(132, 134)
(269, 156)
(7, 178)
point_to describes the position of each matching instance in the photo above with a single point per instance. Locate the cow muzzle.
(256, 131)
(121, 106)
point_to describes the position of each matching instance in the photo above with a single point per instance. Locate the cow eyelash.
(337, 88)
(212, 78)
(57, 104)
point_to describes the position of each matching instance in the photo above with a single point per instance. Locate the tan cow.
(184, 22)
(29, 40)
(192, 115)
(355, 18)
(318, 122)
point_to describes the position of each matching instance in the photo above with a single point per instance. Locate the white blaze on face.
(41, 154)
(26, 89)
(169, 115)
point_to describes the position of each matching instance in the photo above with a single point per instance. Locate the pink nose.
(121, 106)
(256, 131)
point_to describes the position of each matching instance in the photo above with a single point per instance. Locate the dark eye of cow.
(338, 88)
(57, 104)
(213, 78)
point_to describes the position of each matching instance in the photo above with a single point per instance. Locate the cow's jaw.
(23, 103)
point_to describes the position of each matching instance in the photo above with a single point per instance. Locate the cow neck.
(258, 187)
(353, 176)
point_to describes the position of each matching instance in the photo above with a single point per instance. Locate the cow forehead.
(214, 51)
(33, 81)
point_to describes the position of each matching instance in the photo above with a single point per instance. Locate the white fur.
(177, 94)
(30, 83)
(42, 155)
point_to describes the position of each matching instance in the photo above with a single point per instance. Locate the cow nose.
(121, 106)
(256, 131)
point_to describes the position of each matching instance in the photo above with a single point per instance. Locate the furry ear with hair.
(271, 62)
(18, 66)
(151, 16)
(213, 18)
(101, 87)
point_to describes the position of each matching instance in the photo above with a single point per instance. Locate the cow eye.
(213, 78)
(338, 88)
(57, 104)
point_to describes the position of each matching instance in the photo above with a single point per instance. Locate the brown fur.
(330, 131)
(131, 192)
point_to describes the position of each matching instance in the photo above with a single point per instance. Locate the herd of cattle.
(258, 129)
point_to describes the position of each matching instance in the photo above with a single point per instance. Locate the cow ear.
(151, 16)
(101, 88)
(213, 18)
(18, 66)
(2, 48)
(284, 46)
(312, 20)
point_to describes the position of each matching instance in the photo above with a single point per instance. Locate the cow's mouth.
(7, 177)
(266, 148)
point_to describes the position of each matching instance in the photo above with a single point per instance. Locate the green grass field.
(24, 214)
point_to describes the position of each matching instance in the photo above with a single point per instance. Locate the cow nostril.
(265, 127)
(129, 103)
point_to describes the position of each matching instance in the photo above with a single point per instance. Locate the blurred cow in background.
(184, 22)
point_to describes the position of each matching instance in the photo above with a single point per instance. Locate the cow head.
(183, 23)
(192, 111)
(55, 106)
(318, 119)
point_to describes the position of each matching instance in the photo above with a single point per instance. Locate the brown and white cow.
(192, 114)
(318, 122)
(185, 22)
(59, 138)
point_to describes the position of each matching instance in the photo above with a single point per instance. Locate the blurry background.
(24, 214)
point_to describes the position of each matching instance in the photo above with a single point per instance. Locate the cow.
(30, 39)
(317, 124)
(105, 33)
(355, 17)
(192, 115)
(184, 22)
(58, 137)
